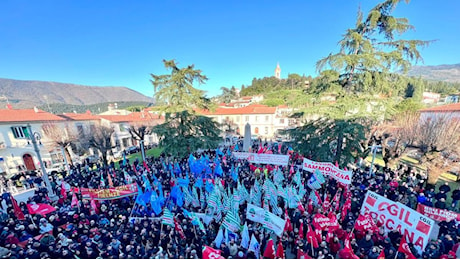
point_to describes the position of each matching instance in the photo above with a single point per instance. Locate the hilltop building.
(278, 71)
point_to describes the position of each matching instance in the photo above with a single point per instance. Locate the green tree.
(184, 133)
(175, 91)
(371, 51)
(331, 140)
(228, 94)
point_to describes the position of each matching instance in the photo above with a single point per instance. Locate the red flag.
(280, 250)
(261, 149)
(74, 200)
(279, 147)
(211, 253)
(300, 207)
(40, 208)
(291, 171)
(63, 191)
(348, 248)
(301, 230)
(270, 250)
(288, 226)
(320, 201)
(94, 206)
(382, 255)
(326, 204)
(146, 166)
(302, 255)
(337, 200)
(17, 210)
(109, 179)
(346, 207)
(178, 228)
(310, 206)
(311, 237)
(404, 248)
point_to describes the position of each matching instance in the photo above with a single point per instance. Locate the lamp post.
(374, 149)
(33, 136)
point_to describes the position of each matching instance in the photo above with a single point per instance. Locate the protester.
(202, 193)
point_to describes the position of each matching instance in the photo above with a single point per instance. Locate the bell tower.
(278, 71)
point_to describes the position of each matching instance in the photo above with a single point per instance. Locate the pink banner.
(437, 214)
(40, 208)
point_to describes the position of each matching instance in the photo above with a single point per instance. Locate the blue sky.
(119, 43)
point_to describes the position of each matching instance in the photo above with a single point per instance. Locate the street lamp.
(374, 149)
(33, 137)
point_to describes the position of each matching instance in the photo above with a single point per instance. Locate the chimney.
(88, 112)
(36, 109)
(9, 106)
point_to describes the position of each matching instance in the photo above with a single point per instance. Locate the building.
(430, 97)
(278, 71)
(121, 124)
(450, 111)
(265, 121)
(16, 150)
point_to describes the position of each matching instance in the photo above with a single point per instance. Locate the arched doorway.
(256, 130)
(29, 162)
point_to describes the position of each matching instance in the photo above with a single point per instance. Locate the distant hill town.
(30, 93)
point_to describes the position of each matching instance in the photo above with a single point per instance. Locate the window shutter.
(14, 132)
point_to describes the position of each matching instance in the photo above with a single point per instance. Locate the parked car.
(92, 159)
(131, 149)
(118, 154)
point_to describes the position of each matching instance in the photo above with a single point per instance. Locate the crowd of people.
(125, 228)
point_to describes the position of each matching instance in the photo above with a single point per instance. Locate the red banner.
(40, 208)
(437, 214)
(211, 253)
(109, 194)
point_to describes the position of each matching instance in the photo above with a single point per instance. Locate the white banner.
(263, 158)
(394, 215)
(269, 220)
(328, 169)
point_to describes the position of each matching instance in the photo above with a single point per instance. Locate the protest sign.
(437, 214)
(269, 220)
(109, 194)
(327, 168)
(263, 158)
(417, 228)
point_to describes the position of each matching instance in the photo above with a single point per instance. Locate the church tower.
(278, 71)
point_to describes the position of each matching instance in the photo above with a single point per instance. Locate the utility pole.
(45, 178)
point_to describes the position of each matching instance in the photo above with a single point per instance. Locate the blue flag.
(140, 196)
(177, 196)
(218, 171)
(124, 159)
(234, 173)
(199, 182)
(209, 186)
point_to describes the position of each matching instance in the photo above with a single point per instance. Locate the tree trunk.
(338, 152)
(67, 155)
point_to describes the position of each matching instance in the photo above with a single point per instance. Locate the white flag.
(219, 238)
(254, 246)
(245, 237)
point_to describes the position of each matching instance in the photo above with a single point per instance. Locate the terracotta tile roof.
(80, 117)
(27, 115)
(251, 109)
(445, 108)
(134, 117)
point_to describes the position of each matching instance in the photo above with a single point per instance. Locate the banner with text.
(109, 194)
(438, 214)
(276, 159)
(269, 220)
(328, 169)
(417, 228)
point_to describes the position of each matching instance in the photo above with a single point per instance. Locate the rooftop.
(455, 107)
(27, 115)
(251, 109)
(80, 117)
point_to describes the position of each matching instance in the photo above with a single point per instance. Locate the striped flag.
(254, 246)
(319, 176)
(167, 218)
(313, 183)
(231, 222)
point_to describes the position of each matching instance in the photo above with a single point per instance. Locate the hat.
(240, 254)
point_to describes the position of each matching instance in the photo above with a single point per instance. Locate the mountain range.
(30, 93)
(447, 73)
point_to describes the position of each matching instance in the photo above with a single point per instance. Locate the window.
(237, 119)
(56, 156)
(282, 121)
(80, 129)
(257, 118)
(20, 132)
(267, 118)
(266, 130)
(247, 118)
